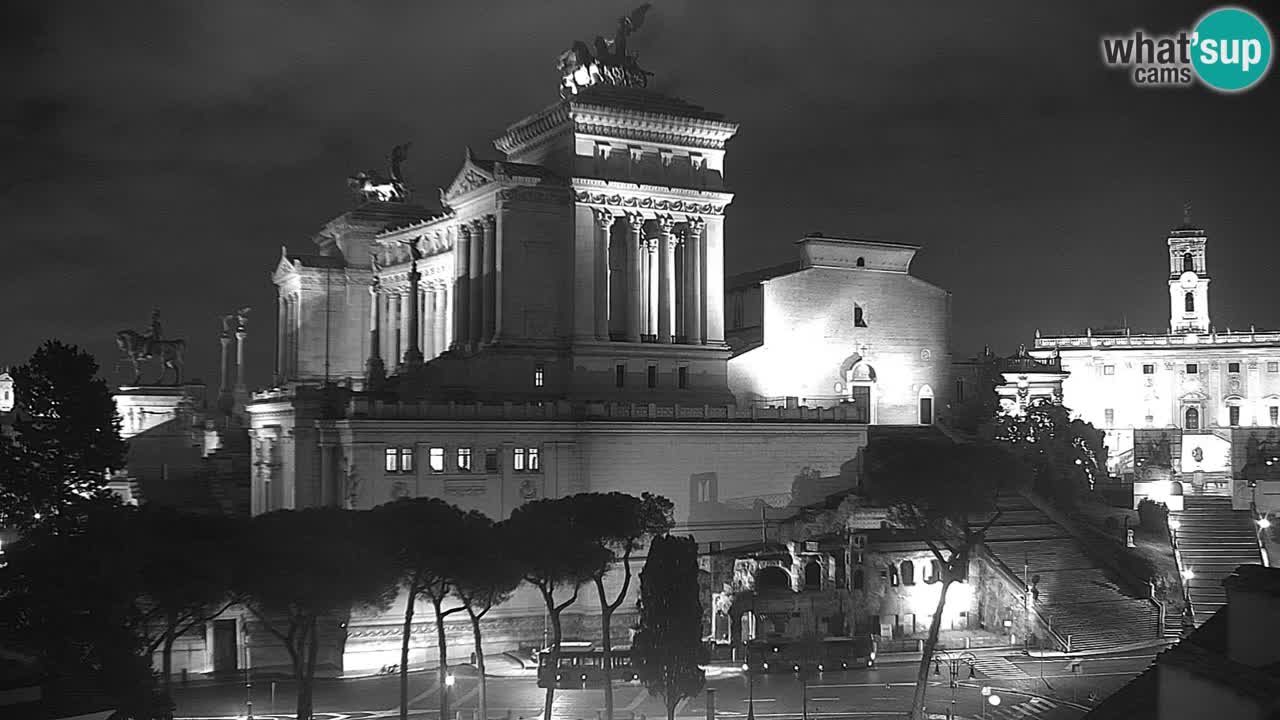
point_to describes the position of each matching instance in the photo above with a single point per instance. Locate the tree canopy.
(65, 439)
(667, 649)
(1066, 457)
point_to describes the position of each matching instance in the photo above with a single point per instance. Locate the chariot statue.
(608, 63)
(139, 347)
(372, 186)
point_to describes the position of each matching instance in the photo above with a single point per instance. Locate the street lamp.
(1188, 574)
(954, 663)
(448, 684)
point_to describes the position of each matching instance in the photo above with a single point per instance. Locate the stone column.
(225, 338)
(447, 314)
(413, 351)
(693, 278)
(475, 282)
(440, 313)
(281, 321)
(666, 242)
(651, 285)
(462, 286)
(713, 280)
(489, 280)
(241, 334)
(635, 252)
(604, 222)
(375, 372)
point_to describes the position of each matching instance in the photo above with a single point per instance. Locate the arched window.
(859, 319)
(813, 576)
(1193, 419)
(1188, 262)
(862, 262)
(908, 572)
(859, 579)
(1190, 301)
(772, 578)
(934, 574)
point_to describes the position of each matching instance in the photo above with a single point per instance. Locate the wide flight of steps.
(1075, 593)
(1213, 540)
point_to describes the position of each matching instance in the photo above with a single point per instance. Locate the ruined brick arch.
(772, 578)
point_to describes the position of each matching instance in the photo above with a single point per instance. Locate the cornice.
(652, 127)
(548, 121)
(655, 198)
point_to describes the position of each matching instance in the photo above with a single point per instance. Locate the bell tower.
(1188, 278)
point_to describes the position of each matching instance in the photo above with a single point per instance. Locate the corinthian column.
(475, 279)
(651, 286)
(635, 257)
(375, 372)
(604, 221)
(489, 280)
(666, 279)
(462, 287)
(693, 278)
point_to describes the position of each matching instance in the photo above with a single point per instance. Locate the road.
(1028, 689)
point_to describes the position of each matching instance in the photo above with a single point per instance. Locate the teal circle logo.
(1231, 49)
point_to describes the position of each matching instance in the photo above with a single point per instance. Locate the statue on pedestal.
(137, 348)
(372, 186)
(610, 64)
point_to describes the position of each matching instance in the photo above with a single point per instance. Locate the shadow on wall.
(743, 519)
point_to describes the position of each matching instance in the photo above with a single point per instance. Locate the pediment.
(285, 266)
(469, 177)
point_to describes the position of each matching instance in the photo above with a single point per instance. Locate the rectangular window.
(1148, 369)
(538, 376)
(1233, 412)
(437, 459)
(535, 460)
(517, 459)
(490, 461)
(391, 462)
(653, 376)
(406, 459)
(1192, 368)
(464, 459)
(1233, 367)
(959, 391)
(1108, 369)
(1275, 414)
(859, 316)
(682, 377)
(1273, 367)
(1111, 417)
(619, 375)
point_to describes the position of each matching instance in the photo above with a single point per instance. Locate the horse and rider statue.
(138, 348)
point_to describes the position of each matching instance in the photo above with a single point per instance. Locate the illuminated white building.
(1194, 380)
(847, 324)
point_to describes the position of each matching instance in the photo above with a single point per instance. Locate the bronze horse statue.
(138, 348)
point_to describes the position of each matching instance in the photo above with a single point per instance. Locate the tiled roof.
(755, 277)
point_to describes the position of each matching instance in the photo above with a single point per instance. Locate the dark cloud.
(160, 153)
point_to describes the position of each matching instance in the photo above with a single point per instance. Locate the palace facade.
(1203, 390)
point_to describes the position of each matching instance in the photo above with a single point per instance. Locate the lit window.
(491, 461)
(1233, 367)
(537, 376)
(893, 575)
(517, 460)
(1108, 369)
(619, 375)
(859, 317)
(653, 376)
(1275, 414)
(1273, 367)
(437, 459)
(406, 459)
(535, 461)
(391, 462)
(1189, 301)
(1192, 368)
(464, 459)
(1110, 414)
(682, 377)
(1148, 369)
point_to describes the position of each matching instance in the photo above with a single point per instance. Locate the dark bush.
(1152, 515)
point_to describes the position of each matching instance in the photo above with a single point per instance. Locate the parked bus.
(582, 666)
(831, 654)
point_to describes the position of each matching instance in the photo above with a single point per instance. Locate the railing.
(774, 500)
(1128, 340)
(562, 410)
(1012, 578)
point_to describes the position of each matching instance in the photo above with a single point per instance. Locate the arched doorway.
(813, 576)
(857, 384)
(1192, 419)
(925, 397)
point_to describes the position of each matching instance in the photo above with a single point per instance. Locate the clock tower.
(1188, 278)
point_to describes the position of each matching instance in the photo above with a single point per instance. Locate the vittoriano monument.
(139, 347)
(371, 186)
(608, 63)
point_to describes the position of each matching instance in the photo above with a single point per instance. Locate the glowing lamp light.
(744, 667)
(1263, 523)
(1174, 525)
(1188, 574)
(994, 699)
(449, 679)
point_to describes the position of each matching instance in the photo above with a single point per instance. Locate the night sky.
(158, 154)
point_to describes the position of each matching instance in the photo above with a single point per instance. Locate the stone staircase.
(1077, 596)
(1213, 540)
(228, 472)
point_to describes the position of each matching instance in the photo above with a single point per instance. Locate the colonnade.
(653, 281)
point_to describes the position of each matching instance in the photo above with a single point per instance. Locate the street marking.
(824, 699)
(766, 699)
(640, 698)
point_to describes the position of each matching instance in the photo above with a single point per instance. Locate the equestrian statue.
(137, 348)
